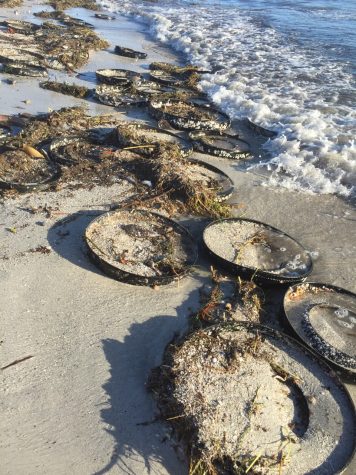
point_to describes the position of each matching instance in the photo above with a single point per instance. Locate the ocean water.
(288, 65)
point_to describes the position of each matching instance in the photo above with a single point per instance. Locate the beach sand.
(79, 405)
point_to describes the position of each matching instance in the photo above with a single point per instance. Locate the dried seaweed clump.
(67, 89)
(10, 3)
(50, 45)
(174, 69)
(65, 4)
(168, 171)
(65, 121)
(226, 300)
(69, 45)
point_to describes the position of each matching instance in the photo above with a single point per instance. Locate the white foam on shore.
(305, 98)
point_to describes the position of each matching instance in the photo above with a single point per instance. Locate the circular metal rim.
(257, 275)
(302, 337)
(278, 335)
(135, 279)
(203, 147)
(228, 188)
(158, 113)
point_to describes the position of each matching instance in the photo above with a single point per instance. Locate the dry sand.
(77, 405)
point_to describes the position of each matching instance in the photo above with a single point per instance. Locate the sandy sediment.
(79, 405)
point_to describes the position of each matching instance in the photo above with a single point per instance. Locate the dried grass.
(65, 4)
(67, 89)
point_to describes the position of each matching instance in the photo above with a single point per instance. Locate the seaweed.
(174, 69)
(172, 187)
(65, 4)
(10, 3)
(69, 45)
(52, 46)
(67, 89)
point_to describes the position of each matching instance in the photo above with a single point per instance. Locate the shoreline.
(76, 406)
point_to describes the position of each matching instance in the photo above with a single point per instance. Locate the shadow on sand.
(131, 411)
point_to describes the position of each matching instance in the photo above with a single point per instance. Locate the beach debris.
(140, 247)
(67, 89)
(228, 300)
(41, 249)
(21, 171)
(48, 45)
(129, 53)
(71, 150)
(167, 79)
(175, 69)
(19, 56)
(210, 178)
(20, 26)
(94, 150)
(32, 152)
(180, 76)
(42, 127)
(324, 317)
(5, 132)
(66, 4)
(246, 399)
(10, 3)
(21, 69)
(260, 130)
(220, 144)
(117, 77)
(19, 360)
(189, 116)
(256, 250)
(104, 16)
(63, 18)
(147, 140)
(117, 96)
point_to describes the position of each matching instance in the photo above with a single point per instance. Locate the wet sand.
(78, 405)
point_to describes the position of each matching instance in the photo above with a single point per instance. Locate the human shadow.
(140, 439)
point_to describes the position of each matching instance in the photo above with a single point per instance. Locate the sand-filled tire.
(324, 317)
(166, 79)
(129, 53)
(117, 77)
(220, 145)
(19, 171)
(211, 177)
(256, 250)
(21, 69)
(115, 96)
(261, 130)
(104, 16)
(140, 247)
(149, 138)
(243, 396)
(74, 149)
(189, 116)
